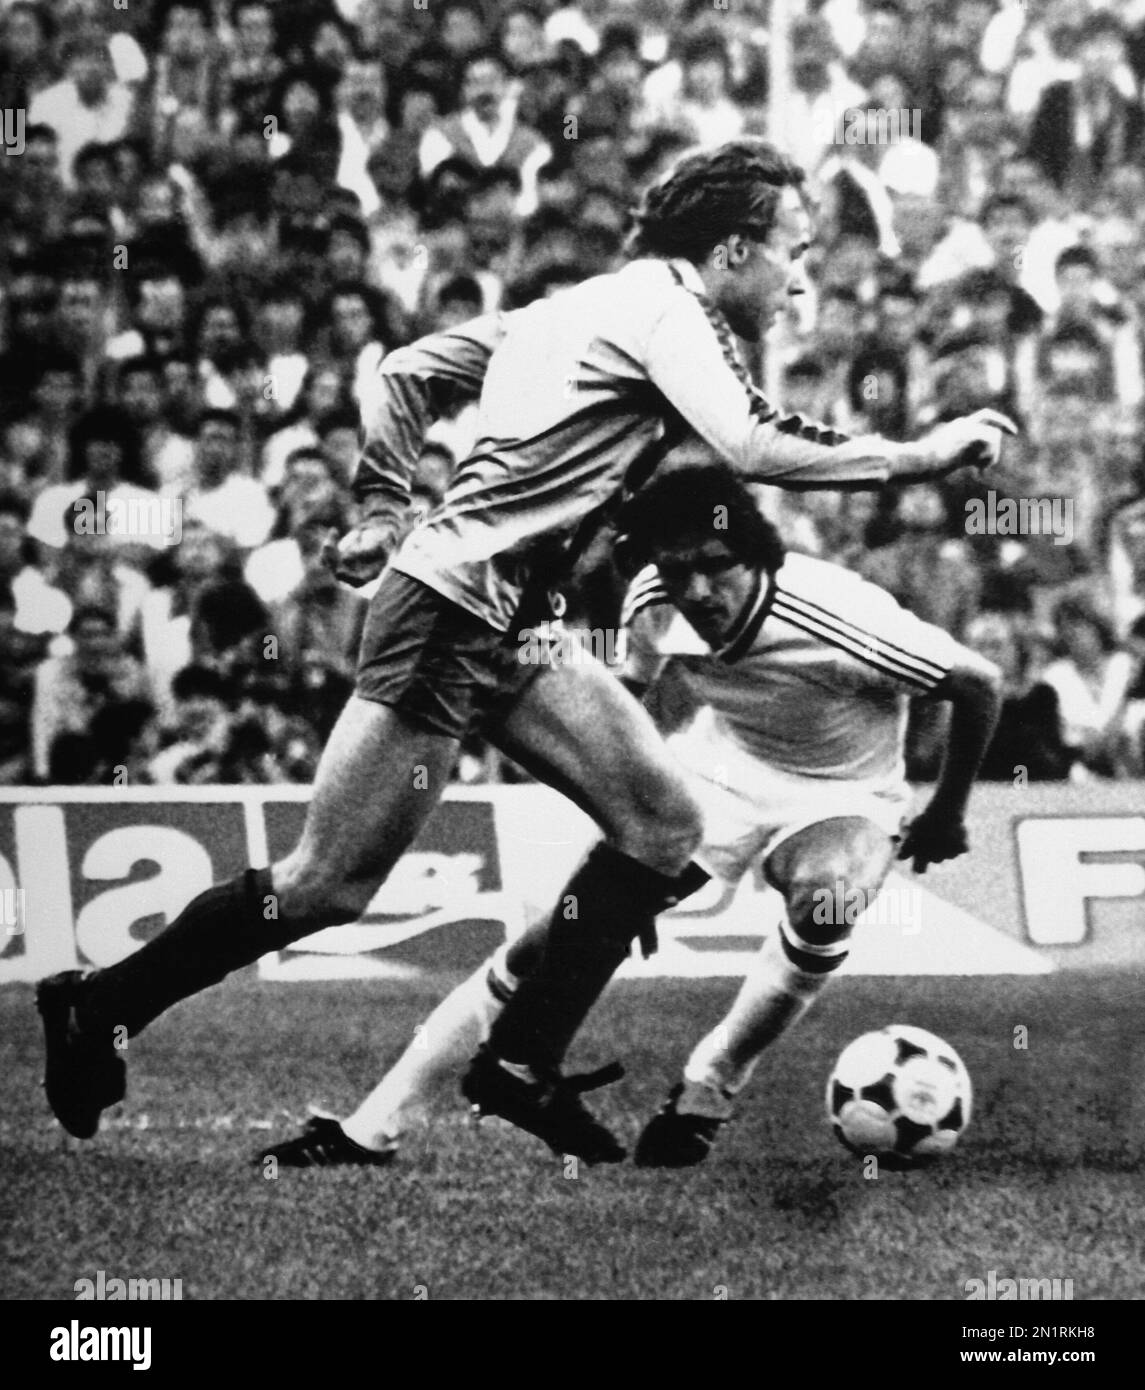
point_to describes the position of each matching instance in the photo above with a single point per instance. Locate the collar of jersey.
(751, 622)
(688, 276)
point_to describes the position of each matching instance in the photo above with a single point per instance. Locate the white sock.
(775, 994)
(441, 1046)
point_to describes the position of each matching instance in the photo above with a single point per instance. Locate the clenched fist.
(971, 440)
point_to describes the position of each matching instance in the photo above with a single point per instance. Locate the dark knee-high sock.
(610, 901)
(222, 929)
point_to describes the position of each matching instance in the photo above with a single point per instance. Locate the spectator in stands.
(319, 620)
(1086, 299)
(70, 690)
(20, 653)
(253, 68)
(182, 104)
(167, 455)
(310, 483)
(1028, 744)
(27, 65)
(484, 130)
(197, 728)
(105, 473)
(1091, 678)
(363, 128)
(690, 96)
(224, 497)
(87, 104)
(158, 314)
(324, 389)
(37, 606)
(926, 568)
(161, 627)
(1083, 127)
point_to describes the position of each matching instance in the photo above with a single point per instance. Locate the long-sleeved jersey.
(584, 392)
(815, 682)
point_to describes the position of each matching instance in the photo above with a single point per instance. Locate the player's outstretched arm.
(973, 686)
(973, 441)
(410, 391)
(686, 360)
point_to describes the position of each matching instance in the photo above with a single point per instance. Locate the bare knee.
(662, 827)
(307, 894)
(825, 900)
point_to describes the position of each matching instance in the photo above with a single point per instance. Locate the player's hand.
(970, 441)
(361, 554)
(934, 836)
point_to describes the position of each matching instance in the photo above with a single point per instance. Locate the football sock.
(781, 986)
(222, 929)
(440, 1048)
(610, 900)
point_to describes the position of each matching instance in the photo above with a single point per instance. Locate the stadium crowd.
(218, 216)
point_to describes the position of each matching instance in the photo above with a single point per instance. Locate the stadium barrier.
(1055, 879)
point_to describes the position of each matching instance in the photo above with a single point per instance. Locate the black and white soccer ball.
(899, 1093)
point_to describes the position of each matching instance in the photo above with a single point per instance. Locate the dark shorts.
(437, 664)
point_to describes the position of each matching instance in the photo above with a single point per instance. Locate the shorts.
(440, 666)
(750, 808)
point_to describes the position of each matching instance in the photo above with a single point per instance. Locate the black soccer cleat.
(681, 1138)
(83, 1073)
(325, 1144)
(549, 1106)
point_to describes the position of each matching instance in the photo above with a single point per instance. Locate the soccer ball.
(899, 1093)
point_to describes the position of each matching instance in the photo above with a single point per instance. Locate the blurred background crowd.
(220, 215)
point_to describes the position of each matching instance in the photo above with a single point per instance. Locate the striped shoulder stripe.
(876, 652)
(827, 615)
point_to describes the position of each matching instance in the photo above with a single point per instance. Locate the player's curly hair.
(709, 194)
(692, 502)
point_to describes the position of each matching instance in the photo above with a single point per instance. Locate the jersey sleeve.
(685, 358)
(413, 386)
(897, 650)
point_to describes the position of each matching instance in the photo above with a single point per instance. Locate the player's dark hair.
(709, 194)
(694, 502)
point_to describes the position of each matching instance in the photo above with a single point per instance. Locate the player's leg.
(437, 1053)
(833, 863)
(577, 729)
(424, 667)
(378, 779)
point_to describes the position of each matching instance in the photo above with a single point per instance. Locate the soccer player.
(580, 400)
(788, 679)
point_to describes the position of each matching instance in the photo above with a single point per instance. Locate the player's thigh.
(819, 866)
(576, 728)
(379, 778)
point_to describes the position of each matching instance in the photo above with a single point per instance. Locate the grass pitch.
(1046, 1183)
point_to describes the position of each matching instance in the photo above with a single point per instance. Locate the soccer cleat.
(683, 1130)
(83, 1074)
(549, 1106)
(325, 1144)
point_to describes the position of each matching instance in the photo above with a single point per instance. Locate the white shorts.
(750, 807)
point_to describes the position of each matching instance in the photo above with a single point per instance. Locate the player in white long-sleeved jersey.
(581, 398)
(786, 681)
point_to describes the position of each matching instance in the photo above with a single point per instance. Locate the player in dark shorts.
(581, 399)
